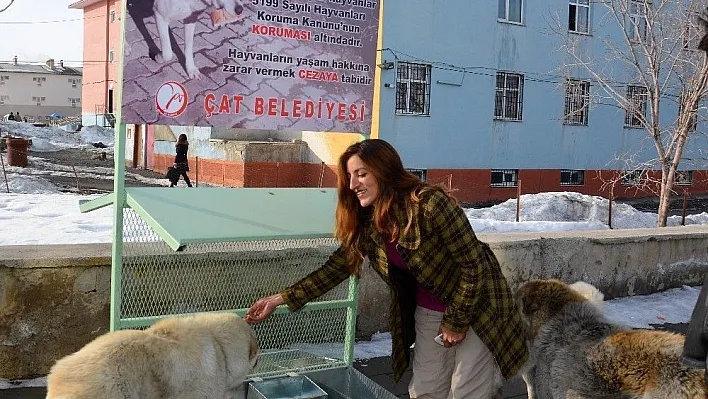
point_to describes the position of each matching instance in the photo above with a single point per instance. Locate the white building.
(37, 91)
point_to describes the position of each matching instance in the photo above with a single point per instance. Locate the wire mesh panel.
(156, 281)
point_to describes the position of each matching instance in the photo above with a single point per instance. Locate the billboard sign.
(257, 64)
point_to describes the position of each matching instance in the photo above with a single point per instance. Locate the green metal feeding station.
(181, 251)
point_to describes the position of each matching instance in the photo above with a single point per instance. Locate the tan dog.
(201, 356)
(578, 353)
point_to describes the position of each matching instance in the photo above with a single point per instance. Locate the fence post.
(196, 172)
(685, 204)
(518, 199)
(609, 217)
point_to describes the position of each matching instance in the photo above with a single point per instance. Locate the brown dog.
(201, 356)
(578, 353)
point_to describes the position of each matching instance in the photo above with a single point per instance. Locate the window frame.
(422, 174)
(578, 6)
(572, 115)
(408, 75)
(632, 178)
(630, 119)
(639, 31)
(505, 11)
(502, 96)
(687, 180)
(504, 183)
(569, 173)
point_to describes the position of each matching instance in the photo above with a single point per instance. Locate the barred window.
(637, 108)
(505, 177)
(638, 24)
(510, 10)
(579, 16)
(413, 89)
(509, 97)
(632, 178)
(693, 124)
(422, 174)
(684, 178)
(577, 102)
(572, 177)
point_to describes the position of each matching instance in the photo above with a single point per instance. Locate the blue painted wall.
(460, 131)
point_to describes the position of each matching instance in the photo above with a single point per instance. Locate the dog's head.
(231, 6)
(540, 300)
(237, 341)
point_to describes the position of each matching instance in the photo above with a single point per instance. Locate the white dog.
(186, 11)
(208, 355)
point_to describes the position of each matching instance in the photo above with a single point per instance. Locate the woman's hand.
(451, 338)
(262, 308)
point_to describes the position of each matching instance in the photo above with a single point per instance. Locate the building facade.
(38, 91)
(101, 59)
(474, 95)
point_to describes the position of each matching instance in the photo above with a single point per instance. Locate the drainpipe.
(105, 55)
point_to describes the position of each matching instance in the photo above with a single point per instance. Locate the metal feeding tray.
(291, 387)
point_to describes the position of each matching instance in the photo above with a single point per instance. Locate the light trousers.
(465, 371)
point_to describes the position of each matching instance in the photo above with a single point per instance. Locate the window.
(4, 99)
(637, 106)
(510, 10)
(39, 100)
(577, 102)
(638, 24)
(684, 177)
(572, 177)
(111, 56)
(112, 16)
(692, 33)
(633, 178)
(509, 97)
(579, 16)
(74, 82)
(422, 174)
(74, 101)
(413, 89)
(39, 80)
(3, 79)
(694, 119)
(505, 177)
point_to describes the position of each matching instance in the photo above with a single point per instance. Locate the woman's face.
(361, 181)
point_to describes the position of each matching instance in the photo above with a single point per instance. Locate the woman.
(181, 164)
(442, 279)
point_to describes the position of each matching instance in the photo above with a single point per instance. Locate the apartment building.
(38, 91)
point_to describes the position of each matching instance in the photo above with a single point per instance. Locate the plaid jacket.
(444, 256)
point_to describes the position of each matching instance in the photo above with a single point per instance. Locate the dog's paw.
(194, 73)
(162, 58)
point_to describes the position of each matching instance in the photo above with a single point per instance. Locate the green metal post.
(118, 188)
(352, 297)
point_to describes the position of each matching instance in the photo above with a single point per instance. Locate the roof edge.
(81, 4)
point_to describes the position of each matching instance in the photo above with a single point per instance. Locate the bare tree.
(7, 6)
(651, 57)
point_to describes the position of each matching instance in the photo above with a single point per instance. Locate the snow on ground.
(54, 138)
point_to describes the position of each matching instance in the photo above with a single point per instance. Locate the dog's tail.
(589, 292)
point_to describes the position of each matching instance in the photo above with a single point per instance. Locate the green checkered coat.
(444, 256)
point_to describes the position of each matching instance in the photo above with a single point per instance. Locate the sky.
(36, 30)
(55, 219)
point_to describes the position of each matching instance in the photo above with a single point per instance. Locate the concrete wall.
(55, 299)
